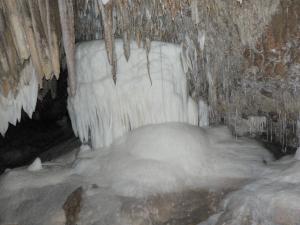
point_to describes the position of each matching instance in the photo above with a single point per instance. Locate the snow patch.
(102, 111)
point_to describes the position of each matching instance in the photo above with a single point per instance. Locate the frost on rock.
(102, 111)
(11, 106)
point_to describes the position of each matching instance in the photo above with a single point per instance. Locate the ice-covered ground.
(273, 199)
(161, 158)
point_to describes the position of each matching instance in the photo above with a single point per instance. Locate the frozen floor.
(168, 173)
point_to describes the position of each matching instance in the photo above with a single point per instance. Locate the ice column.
(102, 111)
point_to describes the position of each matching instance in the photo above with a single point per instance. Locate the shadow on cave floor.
(278, 150)
(35, 138)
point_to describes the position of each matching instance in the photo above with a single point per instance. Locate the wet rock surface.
(72, 206)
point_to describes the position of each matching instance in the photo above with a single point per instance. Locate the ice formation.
(257, 124)
(11, 106)
(102, 111)
(36, 165)
(203, 114)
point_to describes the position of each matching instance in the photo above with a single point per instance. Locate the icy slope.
(144, 93)
(11, 106)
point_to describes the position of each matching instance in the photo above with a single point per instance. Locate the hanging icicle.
(107, 19)
(67, 24)
(53, 33)
(124, 11)
(148, 47)
(30, 36)
(40, 38)
(16, 28)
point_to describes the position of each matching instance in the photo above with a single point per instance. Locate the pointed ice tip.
(36, 165)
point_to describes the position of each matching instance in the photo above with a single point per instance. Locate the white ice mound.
(173, 156)
(11, 106)
(102, 111)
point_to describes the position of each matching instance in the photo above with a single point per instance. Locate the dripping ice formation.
(11, 106)
(102, 111)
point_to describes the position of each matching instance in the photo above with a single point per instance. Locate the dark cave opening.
(43, 134)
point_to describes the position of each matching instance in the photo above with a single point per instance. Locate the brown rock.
(72, 206)
(280, 69)
(189, 207)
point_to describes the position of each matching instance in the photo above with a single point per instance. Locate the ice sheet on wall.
(150, 89)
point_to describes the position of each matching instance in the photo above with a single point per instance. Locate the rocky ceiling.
(241, 56)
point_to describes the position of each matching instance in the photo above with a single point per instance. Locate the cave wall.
(240, 57)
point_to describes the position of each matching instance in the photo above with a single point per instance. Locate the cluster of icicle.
(28, 30)
(151, 89)
(11, 106)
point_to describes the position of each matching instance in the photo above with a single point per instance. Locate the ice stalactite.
(101, 111)
(30, 36)
(107, 18)
(68, 32)
(11, 106)
(123, 7)
(53, 34)
(257, 124)
(40, 39)
(17, 29)
(203, 114)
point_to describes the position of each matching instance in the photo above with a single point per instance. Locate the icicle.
(195, 12)
(203, 114)
(107, 18)
(11, 106)
(148, 47)
(257, 124)
(201, 39)
(27, 23)
(123, 8)
(52, 19)
(40, 38)
(17, 29)
(10, 58)
(67, 25)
